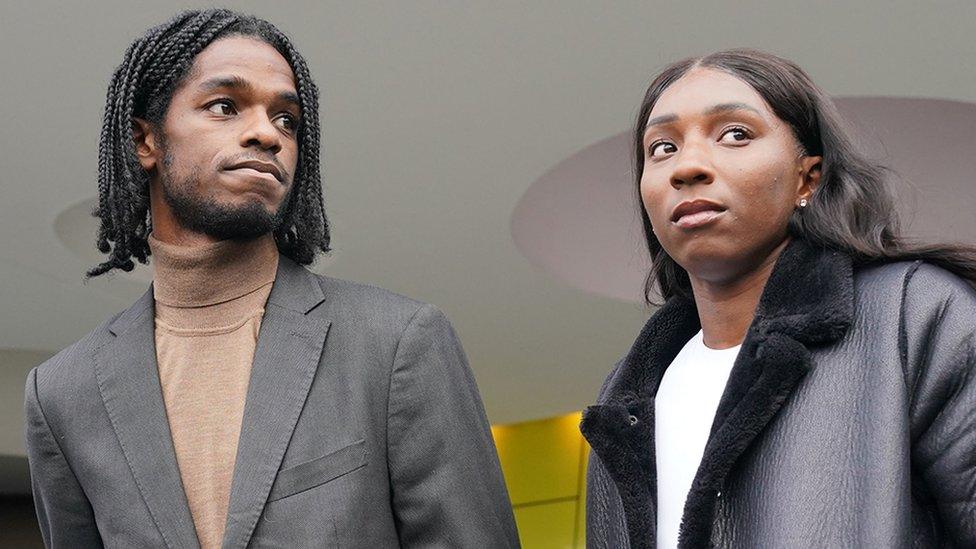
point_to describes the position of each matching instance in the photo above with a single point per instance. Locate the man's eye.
(222, 107)
(286, 122)
(735, 135)
(659, 148)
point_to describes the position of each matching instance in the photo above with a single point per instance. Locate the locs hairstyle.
(142, 87)
(853, 208)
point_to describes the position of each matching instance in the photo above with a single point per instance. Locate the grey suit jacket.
(362, 427)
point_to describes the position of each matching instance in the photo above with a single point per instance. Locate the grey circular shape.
(77, 229)
(579, 221)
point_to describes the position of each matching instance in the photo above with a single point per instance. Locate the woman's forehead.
(702, 88)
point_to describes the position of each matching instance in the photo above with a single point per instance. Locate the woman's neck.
(726, 308)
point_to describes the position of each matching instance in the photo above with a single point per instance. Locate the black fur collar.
(808, 301)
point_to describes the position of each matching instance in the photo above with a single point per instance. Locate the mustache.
(240, 158)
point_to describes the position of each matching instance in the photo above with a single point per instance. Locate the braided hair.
(142, 87)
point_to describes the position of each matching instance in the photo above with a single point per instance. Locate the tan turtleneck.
(209, 304)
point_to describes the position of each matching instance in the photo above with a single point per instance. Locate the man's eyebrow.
(290, 97)
(235, 82)
(231, 82)
(715, 109)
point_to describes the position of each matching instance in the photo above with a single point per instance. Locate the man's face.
(225, 160)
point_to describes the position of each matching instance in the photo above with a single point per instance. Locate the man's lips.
(695, 213)
(252, 173)
(256, 168)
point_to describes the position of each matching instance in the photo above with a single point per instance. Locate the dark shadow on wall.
(18, 523)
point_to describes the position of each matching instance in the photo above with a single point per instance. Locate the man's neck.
(727, 308)
(213, 272)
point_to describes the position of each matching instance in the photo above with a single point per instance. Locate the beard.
(197, 212)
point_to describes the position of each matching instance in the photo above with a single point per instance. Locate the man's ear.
(810, 171)
(147, 144)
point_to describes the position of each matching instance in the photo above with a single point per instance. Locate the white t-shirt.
(683, 413)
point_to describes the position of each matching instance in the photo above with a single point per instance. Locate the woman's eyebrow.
(721, 108)
(730, 107)
(660, 120)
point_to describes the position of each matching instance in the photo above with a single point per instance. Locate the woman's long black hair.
(853, 208)
(142, 87)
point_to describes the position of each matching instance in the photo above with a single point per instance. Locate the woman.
(811, 377)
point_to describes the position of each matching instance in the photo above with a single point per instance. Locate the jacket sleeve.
(447, 485)
(939, 347)
(64, 514)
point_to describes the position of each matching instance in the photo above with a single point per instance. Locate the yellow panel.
(540, 459)
(546, 526)
(581, 513)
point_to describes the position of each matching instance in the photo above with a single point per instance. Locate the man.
(244, 401)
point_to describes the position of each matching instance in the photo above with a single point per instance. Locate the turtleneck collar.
(213, 273)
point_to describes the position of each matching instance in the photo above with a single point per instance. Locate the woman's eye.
(659, 148)
(286, 122)
(735, 135)
(223, 107)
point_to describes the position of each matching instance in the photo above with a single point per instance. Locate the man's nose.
(261, 132)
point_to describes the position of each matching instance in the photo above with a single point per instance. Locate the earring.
(803, 202)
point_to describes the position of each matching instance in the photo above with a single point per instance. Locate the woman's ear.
(810, 171)
(144, 137)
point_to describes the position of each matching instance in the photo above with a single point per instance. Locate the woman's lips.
(696, 213)
(698, 219)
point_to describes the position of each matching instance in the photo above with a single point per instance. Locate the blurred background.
(475, 157)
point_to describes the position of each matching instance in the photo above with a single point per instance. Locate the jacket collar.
(128, 382)
(808, 300)
(285, 362)
(294, 289)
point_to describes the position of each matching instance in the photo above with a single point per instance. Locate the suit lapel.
(128, 381)
(766, 372)
(285, 362)
(808, 300)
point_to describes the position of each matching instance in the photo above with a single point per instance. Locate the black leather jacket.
(849, 419)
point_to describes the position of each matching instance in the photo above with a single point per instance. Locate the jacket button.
(632, 420)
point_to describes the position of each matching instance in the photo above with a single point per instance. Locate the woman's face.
(722, 174)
